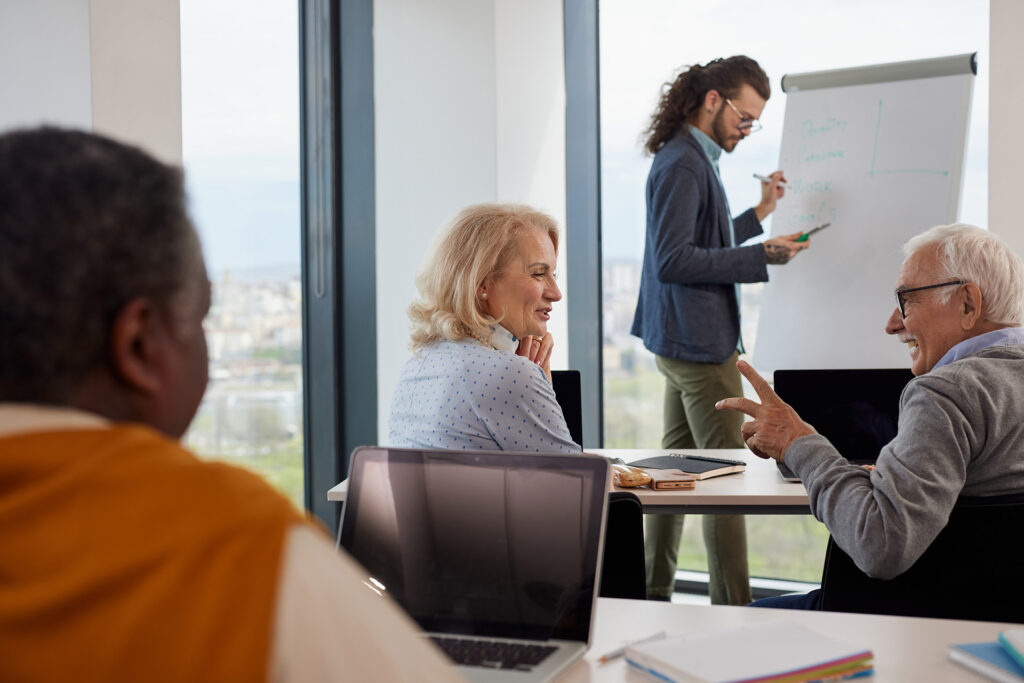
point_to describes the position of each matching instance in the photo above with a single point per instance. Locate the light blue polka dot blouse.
(466, 395)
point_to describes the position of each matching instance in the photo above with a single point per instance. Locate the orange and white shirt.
(125, 557)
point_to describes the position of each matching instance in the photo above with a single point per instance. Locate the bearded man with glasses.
(959, 309)
(688, 312)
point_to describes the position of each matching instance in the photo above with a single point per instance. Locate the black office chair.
(623, 572)
(623, 569)
(972, 570)
(569, 395)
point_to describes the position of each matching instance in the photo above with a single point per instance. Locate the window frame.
(338, 236)
(583, 209)
(338, 232)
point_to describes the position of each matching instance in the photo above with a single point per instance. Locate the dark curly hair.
(86, 224)
(681, 98)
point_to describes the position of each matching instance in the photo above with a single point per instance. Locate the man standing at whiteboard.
(688, 311)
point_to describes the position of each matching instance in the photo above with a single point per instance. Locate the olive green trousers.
(691, 421)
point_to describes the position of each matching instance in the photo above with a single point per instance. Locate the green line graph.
(893, 171)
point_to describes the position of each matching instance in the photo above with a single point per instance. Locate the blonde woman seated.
(480, 376)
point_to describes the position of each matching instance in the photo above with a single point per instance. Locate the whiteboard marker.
(803, 237)
(766, 179)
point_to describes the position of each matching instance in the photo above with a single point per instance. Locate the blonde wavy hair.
(479, 243)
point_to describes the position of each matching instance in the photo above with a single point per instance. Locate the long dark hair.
(681, 98)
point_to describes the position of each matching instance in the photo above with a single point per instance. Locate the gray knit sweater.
(960, 432)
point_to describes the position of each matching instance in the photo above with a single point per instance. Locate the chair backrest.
(623, 572)
(569, 395)
(972, 570)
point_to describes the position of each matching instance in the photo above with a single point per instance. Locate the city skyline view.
(240, 140)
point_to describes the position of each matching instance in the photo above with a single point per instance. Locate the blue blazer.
(687, 307)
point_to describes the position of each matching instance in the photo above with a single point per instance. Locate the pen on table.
(803, 237)
(766, 179)
(622, 650)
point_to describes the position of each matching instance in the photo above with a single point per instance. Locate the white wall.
(112, 66)
(136, 73)
(531, 124)
(469, 107)
(44, 63)
(1006, 101)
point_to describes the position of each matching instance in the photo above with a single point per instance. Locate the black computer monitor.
(857, 410)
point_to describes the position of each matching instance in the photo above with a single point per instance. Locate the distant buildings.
(253, 405)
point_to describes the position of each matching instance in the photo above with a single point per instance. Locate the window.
(240, 131)
(641, 46)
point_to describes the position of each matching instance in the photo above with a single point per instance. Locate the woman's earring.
(484, 295)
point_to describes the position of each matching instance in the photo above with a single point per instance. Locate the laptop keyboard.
(493, 654)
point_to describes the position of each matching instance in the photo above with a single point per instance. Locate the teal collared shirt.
(713, 151)
(710, 147)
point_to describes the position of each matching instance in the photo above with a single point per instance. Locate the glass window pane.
(642, 46)
(240, 130)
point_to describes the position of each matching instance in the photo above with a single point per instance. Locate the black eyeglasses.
(900, 292)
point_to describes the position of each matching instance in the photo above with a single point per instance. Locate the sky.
(644, 42)
(240, 131)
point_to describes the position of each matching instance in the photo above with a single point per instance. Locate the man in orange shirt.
(123, 556)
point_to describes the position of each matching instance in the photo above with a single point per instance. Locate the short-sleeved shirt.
(468, 395)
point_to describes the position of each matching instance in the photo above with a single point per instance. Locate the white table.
(757, 491)
(760, 490)
(905, 648)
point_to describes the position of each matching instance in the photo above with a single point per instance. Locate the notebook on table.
(776, 651)
(990, 659)
(697, 466)
(856, 410)
(494, 554)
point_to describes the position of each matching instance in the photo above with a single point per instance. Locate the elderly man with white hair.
(959, 309)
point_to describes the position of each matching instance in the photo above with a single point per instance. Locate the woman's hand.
(538, 349)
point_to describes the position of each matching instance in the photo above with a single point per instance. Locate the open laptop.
(856, 410)
(494, 554)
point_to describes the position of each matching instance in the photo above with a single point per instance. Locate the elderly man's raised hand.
(775, 425)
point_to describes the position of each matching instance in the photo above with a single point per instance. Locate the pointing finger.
(764, 392)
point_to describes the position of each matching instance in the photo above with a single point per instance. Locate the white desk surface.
(905, 648)
(758, 490)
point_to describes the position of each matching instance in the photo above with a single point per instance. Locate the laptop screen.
(856, 410)
(485, 543)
